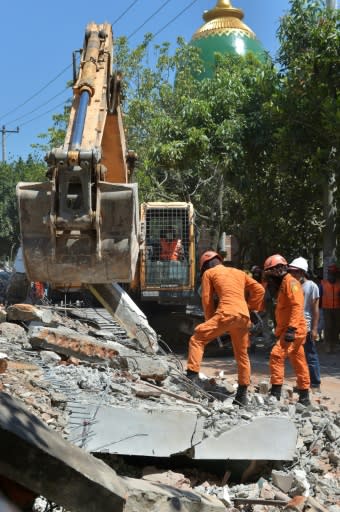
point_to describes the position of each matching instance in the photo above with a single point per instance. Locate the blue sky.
(39, 37)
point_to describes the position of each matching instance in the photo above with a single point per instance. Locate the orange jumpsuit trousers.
(238, 328)
(296, 353)
(290, 312)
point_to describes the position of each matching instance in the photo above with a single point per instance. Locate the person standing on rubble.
(299, 269)
(291, 328)
(231, 315)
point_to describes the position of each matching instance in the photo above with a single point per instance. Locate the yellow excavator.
(82, 227)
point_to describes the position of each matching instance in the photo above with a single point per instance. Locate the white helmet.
(299, 263)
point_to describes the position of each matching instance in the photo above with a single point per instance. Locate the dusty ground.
(330, 372)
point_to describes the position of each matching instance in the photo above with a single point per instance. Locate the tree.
(208, 141)
(309, 109)
(33, 169)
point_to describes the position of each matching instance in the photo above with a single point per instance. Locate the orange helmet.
(207, 256)
(273, 261)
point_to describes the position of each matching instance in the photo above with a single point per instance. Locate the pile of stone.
(70, 374)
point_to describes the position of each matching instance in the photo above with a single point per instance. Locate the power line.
(149, 18)
(36, 93)
(174, 18)
(123, 13)
(39, 107)
(43, 114)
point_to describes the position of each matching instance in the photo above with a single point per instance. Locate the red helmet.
(207, 256)
(273, 261)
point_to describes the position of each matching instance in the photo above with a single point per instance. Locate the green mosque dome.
(225, 32)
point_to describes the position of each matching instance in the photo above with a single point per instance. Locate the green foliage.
(55, 135)
(31, 169)
(308, 109)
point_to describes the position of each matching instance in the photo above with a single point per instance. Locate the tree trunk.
(330, 214)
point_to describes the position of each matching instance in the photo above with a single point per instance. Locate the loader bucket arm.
(82, 226)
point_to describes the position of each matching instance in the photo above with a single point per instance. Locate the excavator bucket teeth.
(106, 251)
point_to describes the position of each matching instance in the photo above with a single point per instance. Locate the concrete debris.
(71, 344)
(93, 387)
(28, 313)
(75, 479)
(69, 476)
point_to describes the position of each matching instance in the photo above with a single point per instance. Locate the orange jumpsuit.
(289, 312)
(231, 315)
(170, 250)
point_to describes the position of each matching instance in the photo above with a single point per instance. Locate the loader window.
(167, 247)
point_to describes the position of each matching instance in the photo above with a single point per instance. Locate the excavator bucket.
(82, 227)
(84, 250)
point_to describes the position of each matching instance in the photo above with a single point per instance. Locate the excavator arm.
(82, 226)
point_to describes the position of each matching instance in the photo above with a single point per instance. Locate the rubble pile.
(71, 375)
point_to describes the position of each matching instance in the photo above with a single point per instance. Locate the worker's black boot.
(276, 391)
(304, 397)
(241, 396)
(195, 378)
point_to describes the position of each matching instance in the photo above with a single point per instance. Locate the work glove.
(289, 334)
(256, 323)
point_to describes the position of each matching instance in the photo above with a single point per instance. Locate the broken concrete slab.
(44, 462)
(264, 438)
(123, 309)
(71, 344)
(164, 432)
(27, 313)
(144, 432)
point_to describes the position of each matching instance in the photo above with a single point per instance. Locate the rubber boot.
(276, 391)
(304, 397)
(241, 396)
(195, 378)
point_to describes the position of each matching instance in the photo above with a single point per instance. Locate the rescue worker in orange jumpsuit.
(231, 286)
(291, 328)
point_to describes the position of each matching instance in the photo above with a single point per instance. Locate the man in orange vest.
(171, 248)
(291, 328)
(330, 303)
(237, 294)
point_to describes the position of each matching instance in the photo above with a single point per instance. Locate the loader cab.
(167, 262)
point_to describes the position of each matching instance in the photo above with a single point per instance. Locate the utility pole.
(3, 132)
(331, 4)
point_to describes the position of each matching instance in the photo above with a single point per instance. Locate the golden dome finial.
(223, 9)
(223, 17)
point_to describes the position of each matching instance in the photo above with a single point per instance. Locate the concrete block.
(265, 438)
(27, 313)
(153, 432)
(42, 461)
(282, 480)
(71, 344)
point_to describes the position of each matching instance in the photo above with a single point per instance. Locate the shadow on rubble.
(195, 471)
(14, 422)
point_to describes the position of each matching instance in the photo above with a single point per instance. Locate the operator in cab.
(171, 247)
